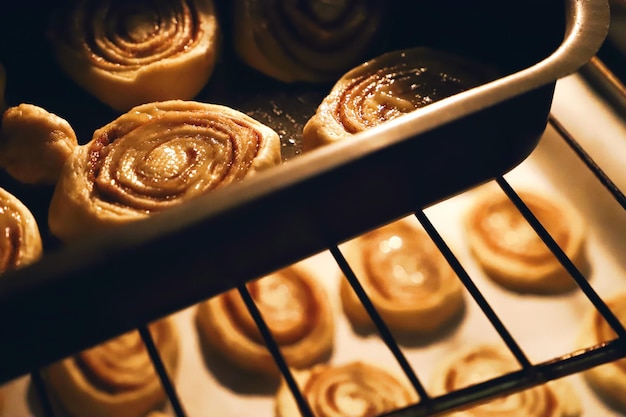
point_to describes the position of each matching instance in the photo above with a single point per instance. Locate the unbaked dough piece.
(35, 144)
(406, 277)
(131, 53)
(355, 389)
(295, 306)
(509, 250)
(316, 42)
(474, 364)
(156, 156)
(21, 243)
(389, 86)
(116, 378)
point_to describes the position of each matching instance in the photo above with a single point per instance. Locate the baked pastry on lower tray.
(406, 277)
(131, 53)
(296, 309)
(509, 250)
(475, 364)
(314, 42)
(608, 380)
(153, 157)
(21, 242)
(116, 378)
(355, 389)
(386, 87)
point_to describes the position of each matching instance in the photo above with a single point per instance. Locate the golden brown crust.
(127, 54)
(387, 87)
(475, 364)
(405, 276)
(292, 43)
(354, 389)
(294, 305)
(35, 144)
(116, 378)
(509, 250)
(153, 157)
(21, 241)
(609, 380)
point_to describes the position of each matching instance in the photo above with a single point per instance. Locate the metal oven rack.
(531, 374)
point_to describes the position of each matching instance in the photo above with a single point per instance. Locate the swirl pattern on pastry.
(130, 53)
(354, 389)
(154, 157)
(295, 307)
(21, 243)
(116, 378)
(609, 380)
(386, 87)
(311, 41)
(510, 251)
(405, 276)
(35, 144)
(480, 363)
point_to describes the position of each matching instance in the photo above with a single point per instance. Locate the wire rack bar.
(42, 394)
(567, 263)
(166, 382)
(303, 405)
(516, 381)
(491, 315)
(380, 324)
(588, 161)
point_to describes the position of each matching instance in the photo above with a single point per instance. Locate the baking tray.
(127, 277)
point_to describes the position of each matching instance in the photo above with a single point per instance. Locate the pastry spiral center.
(170, 158)
(401, 268)
(356, 391)
(507, 231)
(123, 36)
(286, 304)
(482, 365)
(327, 11)
(138, 25)
(390, 92)
(118, 365)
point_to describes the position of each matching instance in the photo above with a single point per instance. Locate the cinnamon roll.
(35, 144)
(480, 363)
(386, 87)
(609, 380)
(509, 250)
(130, 53)
(21, 243)
(406, 277)
(312, 41)
(296, 309)
(116, 378)
(355, 389)
(154, 157)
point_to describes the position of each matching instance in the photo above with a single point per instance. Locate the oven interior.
(424, 166)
